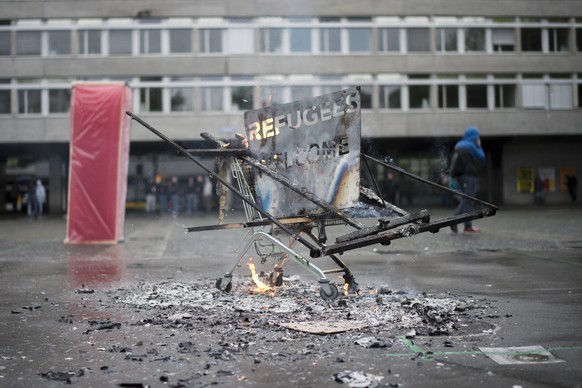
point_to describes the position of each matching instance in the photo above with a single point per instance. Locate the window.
(241, 97)
(301, 92)
(300, 40)
(28, 42)
(561, 96)
(503, 39)
(271, 40)
(448, 96)
(89, 42)
(476, 96)
(240, 41)
(390, 97)
(330, 84)
(474, 39)
(359, 40)
(388, 40)
(120, 42)
(211, 99)
(329, 38)
(366, 96)
(559, 39)
(579, 39)
(5, 102)
(211, 40)
(505, 96)
(533, 96)
(418, 40)
(150, 98)
(150, 41)
(446, 39)
(29, 101)
(418, 95)
(531, 39)
(272, 95)
(5, 98)
(59, 42)
(59, 100)
(181, 41)
(5, 44)
(181, 99)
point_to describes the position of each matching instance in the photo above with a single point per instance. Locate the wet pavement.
(145, 312)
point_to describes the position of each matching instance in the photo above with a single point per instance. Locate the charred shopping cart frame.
(281, 202)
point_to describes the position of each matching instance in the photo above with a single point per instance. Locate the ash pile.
(296, 306)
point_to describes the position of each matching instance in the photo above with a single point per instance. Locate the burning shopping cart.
(297, 172)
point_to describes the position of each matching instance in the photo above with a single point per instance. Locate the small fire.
(346, 289)
(261, 287)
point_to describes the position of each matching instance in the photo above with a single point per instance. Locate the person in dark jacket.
(465, 164)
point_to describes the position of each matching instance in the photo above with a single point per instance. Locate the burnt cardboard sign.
(314, 142)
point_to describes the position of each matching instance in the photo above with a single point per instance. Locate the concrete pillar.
(56, 185)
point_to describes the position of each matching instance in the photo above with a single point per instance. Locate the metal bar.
(336, 270)
(407, 231)
(374, 181)
(441, 187)
(212, 174)
(217, 152)
(248, 224)
(303, 192)
(306, 264)
(343, 267)
(383, 225)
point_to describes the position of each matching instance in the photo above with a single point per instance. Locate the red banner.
(99, 157)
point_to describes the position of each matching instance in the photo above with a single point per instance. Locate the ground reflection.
(95, 266)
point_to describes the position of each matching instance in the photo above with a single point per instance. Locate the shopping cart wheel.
(224, 284)
(328, 291)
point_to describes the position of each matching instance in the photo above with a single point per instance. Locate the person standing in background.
(193, 195)
(163, 195)
(31, 201)
(572, 183)
(465, 162)
(152, 191)
(206, 194)
(390, 189)
(175, 195)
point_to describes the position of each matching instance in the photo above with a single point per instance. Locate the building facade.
(427, 70)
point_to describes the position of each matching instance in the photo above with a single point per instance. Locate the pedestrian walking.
(40, 197)
(465, 162)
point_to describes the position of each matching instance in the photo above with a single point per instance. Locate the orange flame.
(261, 287)
(345, 289)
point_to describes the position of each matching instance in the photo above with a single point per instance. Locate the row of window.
(231, 94)
(156, 37)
